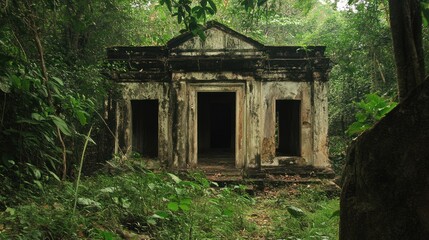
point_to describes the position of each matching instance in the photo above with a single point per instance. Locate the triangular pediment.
(218, 38)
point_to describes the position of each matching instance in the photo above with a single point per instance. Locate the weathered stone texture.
(226, 62)
(385, 192)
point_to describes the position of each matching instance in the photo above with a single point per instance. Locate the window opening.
(145, 127)
(288, 128)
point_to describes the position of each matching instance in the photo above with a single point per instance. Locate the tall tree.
(406, 27)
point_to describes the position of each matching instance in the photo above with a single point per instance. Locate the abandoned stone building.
(227, 100)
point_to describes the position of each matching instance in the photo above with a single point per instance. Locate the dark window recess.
(288, 128)
(145, 127)
(216, 123)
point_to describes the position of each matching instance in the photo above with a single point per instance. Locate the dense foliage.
(52, 58)
(134, 203)
(52, 91)
(138, 205)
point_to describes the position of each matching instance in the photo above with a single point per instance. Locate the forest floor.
(140, 204)
(294, 212)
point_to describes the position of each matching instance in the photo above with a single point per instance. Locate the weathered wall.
(314, 121)
(144, 91)
(253, 121)
(217, 42)
(272, 91)
(225, 62)
(256, 102)
(320, 124)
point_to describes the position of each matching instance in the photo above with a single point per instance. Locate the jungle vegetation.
(54, 110)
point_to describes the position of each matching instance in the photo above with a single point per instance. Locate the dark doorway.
(145, 127)
(216, 127)
(288, 128)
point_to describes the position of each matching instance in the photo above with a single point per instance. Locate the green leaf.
(261, 2)
(37, 117)
(212, 5)
(108, 235)
(184, 207)
(10, 210)
(151, 186)
(211, 11)
(175, 178)
(295, 212)
(168, 3)
(58, 81)
(357, 127)
(88, 202)
(16, 81)
(25, 84)
(193, 185)
(173, 206)
(61, 124)
(151, 221)
(388, 108)
(108, 190)
(38, 184)
(125, 203)
(36, 172)
(335, 213)
(29, 121)
(161, 215)
(361, 117)
(186, 201)
(54, 176)
(196, 9)
(227, 212)
(188, 8)
(81, 116)
(179, 18)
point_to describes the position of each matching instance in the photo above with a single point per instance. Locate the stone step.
(292, 170)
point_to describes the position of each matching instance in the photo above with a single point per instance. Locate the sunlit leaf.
(151, 221)
(175, 178)
(295, 212)
(173, 206)
(161, 215)
(88, 202)
(184, 207)
(108, 190)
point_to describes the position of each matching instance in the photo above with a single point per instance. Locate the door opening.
(288, 128)
(216, 128)
(145, 127)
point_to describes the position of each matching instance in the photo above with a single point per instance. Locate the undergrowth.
(133, 205)
(141, 204)
(300, 212)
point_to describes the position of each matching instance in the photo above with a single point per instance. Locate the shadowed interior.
(145, 127)
(288, 131)
(216, 127)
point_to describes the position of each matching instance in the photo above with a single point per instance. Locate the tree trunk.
(385, 192)
(406, 26)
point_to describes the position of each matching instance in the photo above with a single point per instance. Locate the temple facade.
(226, 100)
